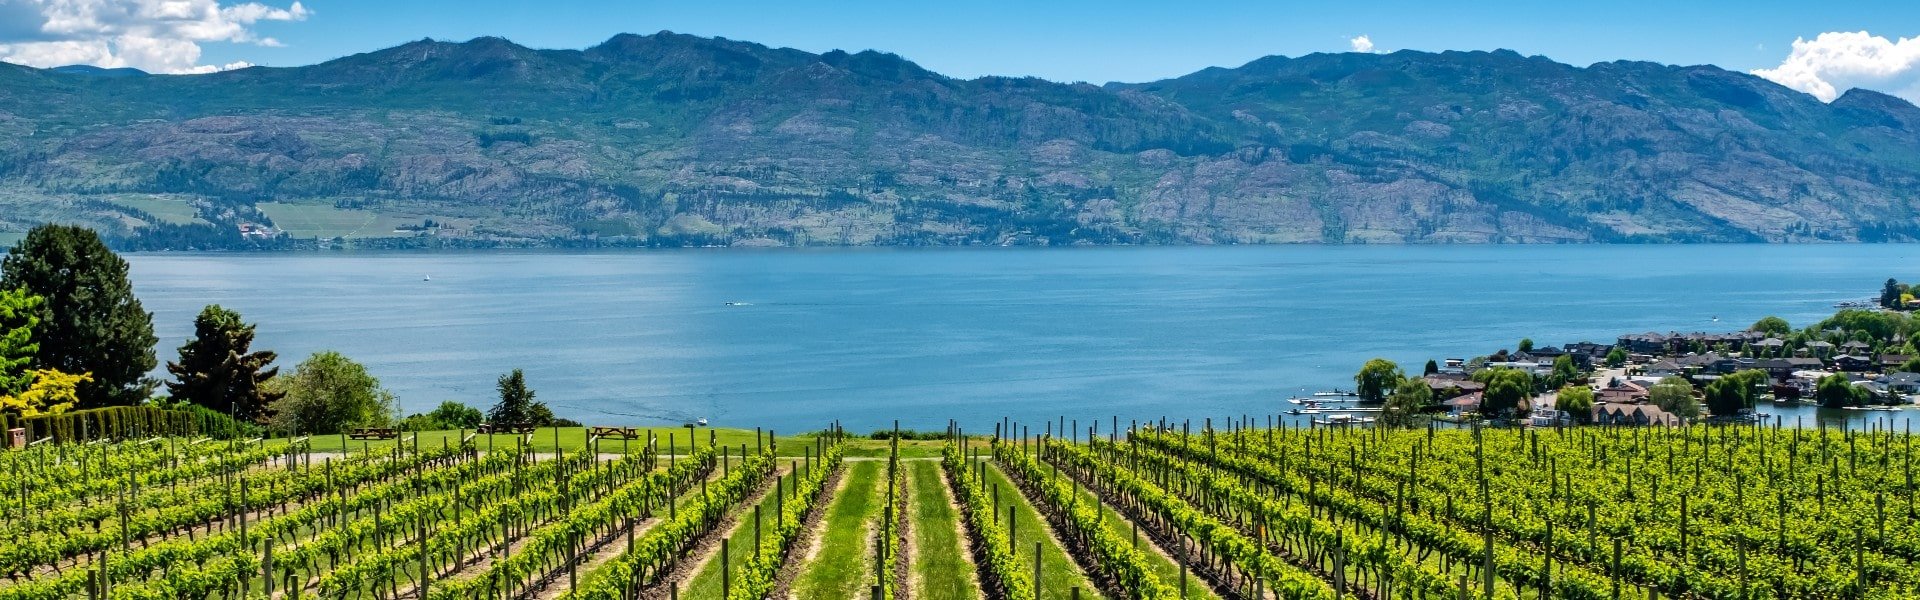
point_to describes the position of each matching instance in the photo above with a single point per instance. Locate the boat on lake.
(1341, 420)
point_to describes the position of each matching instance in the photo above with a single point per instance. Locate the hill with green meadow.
(670, 139)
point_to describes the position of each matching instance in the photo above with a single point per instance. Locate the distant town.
(1861, 358)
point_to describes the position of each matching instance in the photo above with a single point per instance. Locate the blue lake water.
(924, 335)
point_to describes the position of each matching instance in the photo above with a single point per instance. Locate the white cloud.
(160, 36)
(1834, 62)
(1361, 43)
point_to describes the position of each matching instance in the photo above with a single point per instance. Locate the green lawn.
(1163, 567)
(843, 568)
(1059, 575)
(571, 438)
(939, 566)
(325, 221)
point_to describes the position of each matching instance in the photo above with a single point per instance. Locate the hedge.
(123, 422)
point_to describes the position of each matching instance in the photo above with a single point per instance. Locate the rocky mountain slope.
(673, 139)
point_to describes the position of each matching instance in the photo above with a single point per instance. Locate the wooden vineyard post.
(1339, 567)
(1036, 571)
(880, 559)
(756, 530)
(426, 574)
(1013, 531)
(1183, 569)
(1683, 529)
(266, 571)
(726, 573)
(1614, 573)
(1546, 572)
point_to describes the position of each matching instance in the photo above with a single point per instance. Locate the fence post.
(1036, 571)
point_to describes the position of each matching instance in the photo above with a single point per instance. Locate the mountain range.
(671, 139)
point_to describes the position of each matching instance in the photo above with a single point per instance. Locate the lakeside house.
(1621, 392)
(1782, 369)
(1462, 405)
(1449, 385)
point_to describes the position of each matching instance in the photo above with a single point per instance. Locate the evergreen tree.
(90, 322)
(219, 370)
(1432, 368)
(516, 405)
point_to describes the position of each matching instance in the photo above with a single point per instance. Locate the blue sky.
(1111, 40)
(1071, 40)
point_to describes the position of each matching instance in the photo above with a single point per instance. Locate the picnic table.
(625, 433)
(373, 433)
(489, 428)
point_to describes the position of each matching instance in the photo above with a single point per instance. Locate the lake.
(792, 339)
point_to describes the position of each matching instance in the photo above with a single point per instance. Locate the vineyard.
(1114, 510)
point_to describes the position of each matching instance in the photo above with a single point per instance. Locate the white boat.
(702, 422)
(427, 278)
(1335, 393)
(1344, 420)
(1304, 411)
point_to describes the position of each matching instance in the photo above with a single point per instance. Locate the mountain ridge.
(671, 139)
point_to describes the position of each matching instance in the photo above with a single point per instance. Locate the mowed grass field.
(326, 221)
(843, 566)
(940, 569)
(672, 440)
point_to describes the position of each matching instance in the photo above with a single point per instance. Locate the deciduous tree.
(1506, 394)
(329, 393)
(1836, 391)
(1576, 401)
(1408, 398)
(19, 314)
(48, 392)
(1376, 379)
(1675, 395)
(1772, 326)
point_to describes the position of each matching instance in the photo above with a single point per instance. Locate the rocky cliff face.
(672, 139)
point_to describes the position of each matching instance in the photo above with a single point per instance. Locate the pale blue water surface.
(923, 335)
